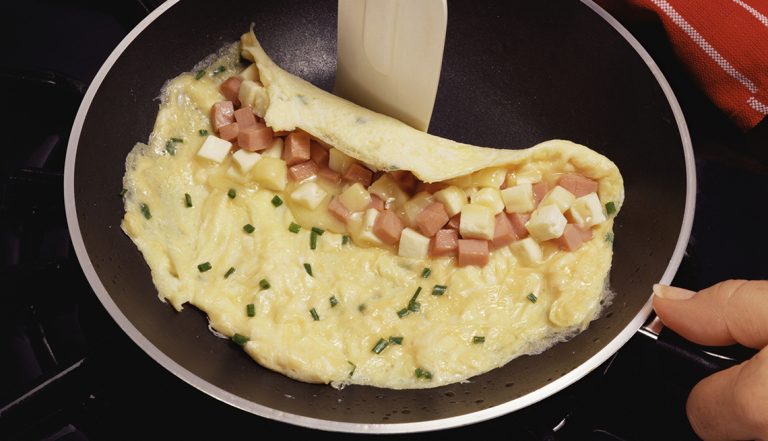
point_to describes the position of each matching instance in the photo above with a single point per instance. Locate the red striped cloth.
(724, 43)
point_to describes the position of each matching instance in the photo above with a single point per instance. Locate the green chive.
(439, 290)
(170, 148)
(333, 301)
(422, 373)
(199, 74)
(380, 346)
(294, 227)
(532, 297)
(478, 339)
(609, 237)
(231, 193)
(425, 273)
(276, 201)
(123, 192)
(250, 310)
(361, 307)
(205, 266)
(610, 207)
(308, 269)
(248, 228)
(264, 284)
(145, 211)
(178, 140)
(239, 339)
(403, 312)
(345, 239)
(203, 132)
(354, 366)
(318, 231)
(313, 240)
(187, 200)
(396, 340)
(219, 70)
(413, 305)
(229, 272)
(314, 314)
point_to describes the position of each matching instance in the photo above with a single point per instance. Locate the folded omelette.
(338, 245)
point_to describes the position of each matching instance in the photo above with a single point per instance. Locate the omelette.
(338, 245)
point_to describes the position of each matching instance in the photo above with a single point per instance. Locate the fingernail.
(672, 293)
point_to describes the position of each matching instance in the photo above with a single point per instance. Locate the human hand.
(731, 404)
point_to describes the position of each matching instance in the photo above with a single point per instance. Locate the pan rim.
(267, 412)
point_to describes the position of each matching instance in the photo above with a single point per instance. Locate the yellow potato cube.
(271, 173)
(366, 229)
(255, 95)
(339, 162)
(413, 207)
(489, 177)
(477, 222)
(490, 197)
(559, 197)
(387, 189)
(356, 197)
(547, 222)
(518, 199)
(452, 198)
(413, 244)
(309, 194)
(528, 250)
(276, 151)
(525, 176)
(587, 211)
(245, 159)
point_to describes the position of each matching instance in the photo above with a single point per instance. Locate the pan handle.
(688, 362)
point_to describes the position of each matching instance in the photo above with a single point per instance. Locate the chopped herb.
(422, 373)
(264, 284)
(178, 140)
(294, 227)
(425, 273)
(250, 310)
(145, 211)
(203, 132)
(333, 301)
(610, 207)
(199, 74)
(239, 339)
(205, 266)
(248, 228)
(170, 148)
(396, 340)
(318, 231)
(308, 269)
(413, 305)
(361, 307)
(609, 237)
(123, 192)
(219, 70)
(229, 272)
(354, 366)
(532, 297)
(231, 193)
(403, 312)
(314, 314)
(439, 290)
(345, 240)
(380, 346)
(187, 200)
(478, 339)
(313, 240)
(276, 201)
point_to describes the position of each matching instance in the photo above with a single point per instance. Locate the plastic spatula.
(389, 56)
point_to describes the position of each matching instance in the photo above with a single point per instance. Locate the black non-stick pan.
(514, 74)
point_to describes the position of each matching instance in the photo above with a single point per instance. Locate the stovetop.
(67, 372)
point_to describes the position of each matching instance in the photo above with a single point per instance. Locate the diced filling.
(465, 218)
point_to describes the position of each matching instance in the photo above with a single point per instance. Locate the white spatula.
(389, 56)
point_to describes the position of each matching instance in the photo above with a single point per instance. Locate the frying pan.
(514, 74)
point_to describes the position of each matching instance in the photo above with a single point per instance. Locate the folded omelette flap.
(386, 143)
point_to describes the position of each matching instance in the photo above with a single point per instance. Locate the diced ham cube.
(222, 113)
(318, 153)
(573, 237)
(245, 118)
(473, 252)
(406, 179)
(230, 88)
(388, 227)
(358, 173)
(376, 202)
(503, 233)
(577, 184)
(431, 219)
(229, 132)
(296, 148)
(540, 189)
(454, 222)
(302, 171)
(258, 137)
(445, 243)
(517, 221)
(338, 210)
(330, 175)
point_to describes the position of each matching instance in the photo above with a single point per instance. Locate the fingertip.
(672, 293)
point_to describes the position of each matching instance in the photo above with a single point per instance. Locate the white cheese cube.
(452, 198)
(587, 211)
(255, 95)
(276, 151)
(387, 189)
(214, 149)
(271, 173)
(489, 177)
(518, 199)
(477, 222)
(339, 162)
(528, 250)
(356, 197)
(250, 73)
(560, 197)
(245, 159)
(547, 222)
(413, 207)
(366, 229)
(309, 194)
(490, 197)
(525, 176)
(413, 244)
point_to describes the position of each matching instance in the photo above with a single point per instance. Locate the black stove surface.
(67, 372)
